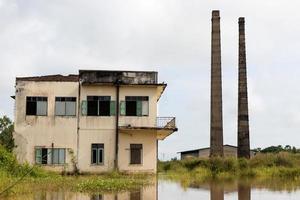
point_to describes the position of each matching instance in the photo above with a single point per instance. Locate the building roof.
(189, 151)
(118, 77)
(56, 77)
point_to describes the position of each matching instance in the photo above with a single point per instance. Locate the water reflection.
(174, 190)
(244, 192)
(144, 193)
(217, 191)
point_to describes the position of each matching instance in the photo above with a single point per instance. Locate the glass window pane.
(145, 108)
(38, 156)
(49, 156)
(62, 156)
(60, 108)
(41, 108)
(70, 108)
(55, 156)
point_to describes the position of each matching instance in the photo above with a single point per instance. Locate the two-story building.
(95, 121)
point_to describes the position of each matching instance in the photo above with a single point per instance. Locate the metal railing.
(165, 122)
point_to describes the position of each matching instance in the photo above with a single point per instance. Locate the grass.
(262, 166)
(38, 179)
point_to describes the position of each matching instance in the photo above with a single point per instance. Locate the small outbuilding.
(229, 151)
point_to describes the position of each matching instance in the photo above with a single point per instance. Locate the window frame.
(137, 99)
(98, 99)
(36, 99)
(66, 99)
(141, 154)
(50, 154)
(100, 147)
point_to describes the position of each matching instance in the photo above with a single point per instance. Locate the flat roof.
(55, 77)
(189, 151)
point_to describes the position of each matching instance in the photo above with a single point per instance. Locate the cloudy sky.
(173, 37)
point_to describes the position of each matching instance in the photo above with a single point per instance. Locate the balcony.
(163, 127)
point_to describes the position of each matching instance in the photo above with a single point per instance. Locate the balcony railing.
(165, 122)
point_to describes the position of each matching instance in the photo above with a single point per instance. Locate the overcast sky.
(172, 37)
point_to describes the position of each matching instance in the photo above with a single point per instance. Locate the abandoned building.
(228, 150)
(95, 121)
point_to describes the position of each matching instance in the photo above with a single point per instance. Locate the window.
(96, 197)
(136, 153)
(65, 106)
(100, 106)
(48, 156)
(135, 106)
(135, 195)
(97, 154)
(36, 106)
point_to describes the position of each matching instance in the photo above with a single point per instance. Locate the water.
(172, 190)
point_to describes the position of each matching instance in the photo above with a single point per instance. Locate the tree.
(6, 133)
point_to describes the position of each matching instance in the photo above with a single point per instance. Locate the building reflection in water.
(217, 191)
(244, 192)
(144, 193)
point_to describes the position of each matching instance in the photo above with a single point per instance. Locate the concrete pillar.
(243, 119)
(216, 119)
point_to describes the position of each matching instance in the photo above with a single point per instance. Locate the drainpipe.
(117, 123)
(78, 127)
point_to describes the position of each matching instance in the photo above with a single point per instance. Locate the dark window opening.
(104, 108)
(92, 108)
(137, 105)
(98, 105)
(36, 106)
(97, 154)
(131, 108)
(136, 153)
(44, 156)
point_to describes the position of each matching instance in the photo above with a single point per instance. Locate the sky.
(172, 37)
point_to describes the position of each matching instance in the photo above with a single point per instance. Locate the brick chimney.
(243, 119)
(216, 119)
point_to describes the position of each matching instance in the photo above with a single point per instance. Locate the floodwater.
(173, 190)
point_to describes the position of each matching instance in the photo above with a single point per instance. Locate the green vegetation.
(38, 179)
(6, 133)
(278, 149)
(262, 166)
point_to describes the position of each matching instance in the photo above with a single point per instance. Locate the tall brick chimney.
(216, 119)
(243, 119)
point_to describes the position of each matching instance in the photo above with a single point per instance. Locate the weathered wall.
(32, 131)
(148, 139)
(124, 77)
(101, 129)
